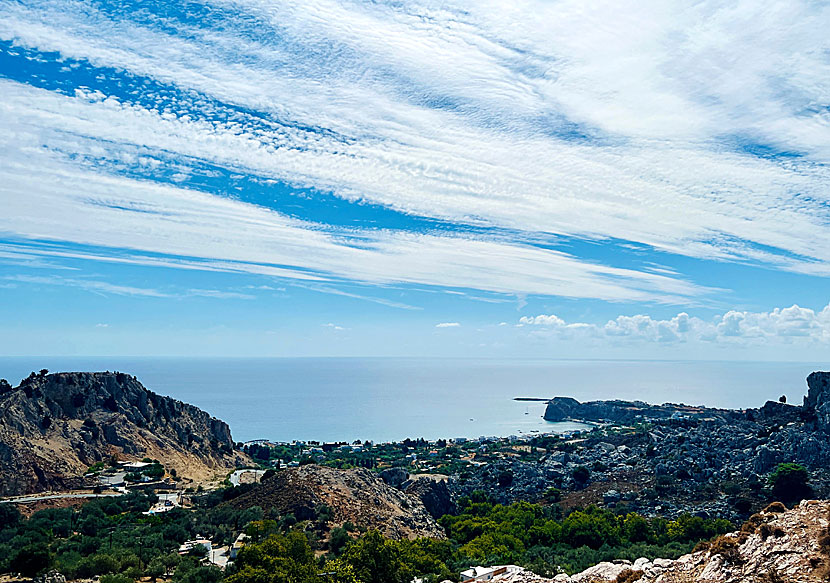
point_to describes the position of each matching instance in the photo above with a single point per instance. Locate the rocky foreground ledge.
(776, 545)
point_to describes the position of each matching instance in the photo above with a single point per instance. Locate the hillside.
(356, 496)
(54, 426)
(776, 545)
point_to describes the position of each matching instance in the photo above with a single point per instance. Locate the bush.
(338, 540)
(505, 479)
(790, 483)
(629, 576)
(581, 475)
(727, 548)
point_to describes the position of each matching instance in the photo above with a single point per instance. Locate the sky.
(523, 179)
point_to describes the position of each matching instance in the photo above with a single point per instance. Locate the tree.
(9, 516)
(782, 399)
(30, 560)
(375, 559)
(790, 483)
(581, 475)
(505, 479)
(590, 528)
(338, 540)
(199, 551)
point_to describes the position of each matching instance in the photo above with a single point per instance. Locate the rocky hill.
(357, 496)
(790, 546)
(703, 460)
(54, 426)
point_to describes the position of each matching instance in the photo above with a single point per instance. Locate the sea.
(389, 399)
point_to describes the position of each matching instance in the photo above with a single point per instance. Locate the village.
(418, 456)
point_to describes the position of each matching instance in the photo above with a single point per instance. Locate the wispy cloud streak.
(695, 130)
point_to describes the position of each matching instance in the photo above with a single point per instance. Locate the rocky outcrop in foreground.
(357, 496)
(773, 546)
(54, 426)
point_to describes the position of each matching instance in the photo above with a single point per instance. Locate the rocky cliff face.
(356, 496)
(818, 398)
(52, 427)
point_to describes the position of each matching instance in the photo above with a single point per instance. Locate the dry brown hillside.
(356, 496)
(54, 426)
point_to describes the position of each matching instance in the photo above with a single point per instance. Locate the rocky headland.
(670, 459)
(54, 426)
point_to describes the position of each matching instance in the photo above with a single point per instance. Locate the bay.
(387, 399)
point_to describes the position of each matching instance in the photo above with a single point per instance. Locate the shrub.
(727, 548)
(505, 479)
(581, 475)
(775, 507)
(115, 578)
(790, 482)
(629, 576)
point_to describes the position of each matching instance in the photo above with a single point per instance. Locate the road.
(36, 498)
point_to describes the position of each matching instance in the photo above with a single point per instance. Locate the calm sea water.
(390, 399)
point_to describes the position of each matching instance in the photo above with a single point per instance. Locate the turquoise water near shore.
(386, 399)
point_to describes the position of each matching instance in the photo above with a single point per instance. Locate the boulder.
(394, 476)
(434, 495)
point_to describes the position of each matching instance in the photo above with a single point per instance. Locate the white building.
(189, 545)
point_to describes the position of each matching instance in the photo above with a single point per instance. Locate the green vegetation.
(537, 537)
(111, 537)
(790, 483)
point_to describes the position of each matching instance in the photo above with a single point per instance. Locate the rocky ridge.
(710, 462)
(54, 426)
(357, 496)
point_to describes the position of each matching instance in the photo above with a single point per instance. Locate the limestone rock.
(435, 496)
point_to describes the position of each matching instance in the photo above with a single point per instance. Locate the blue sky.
(325, 177)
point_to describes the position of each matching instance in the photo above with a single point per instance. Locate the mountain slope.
(53, 427)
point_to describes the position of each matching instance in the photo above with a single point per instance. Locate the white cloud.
(219, 294)
(75, 204)
(448, 325)
(91, 285)
(780, 324)
(458, 111)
